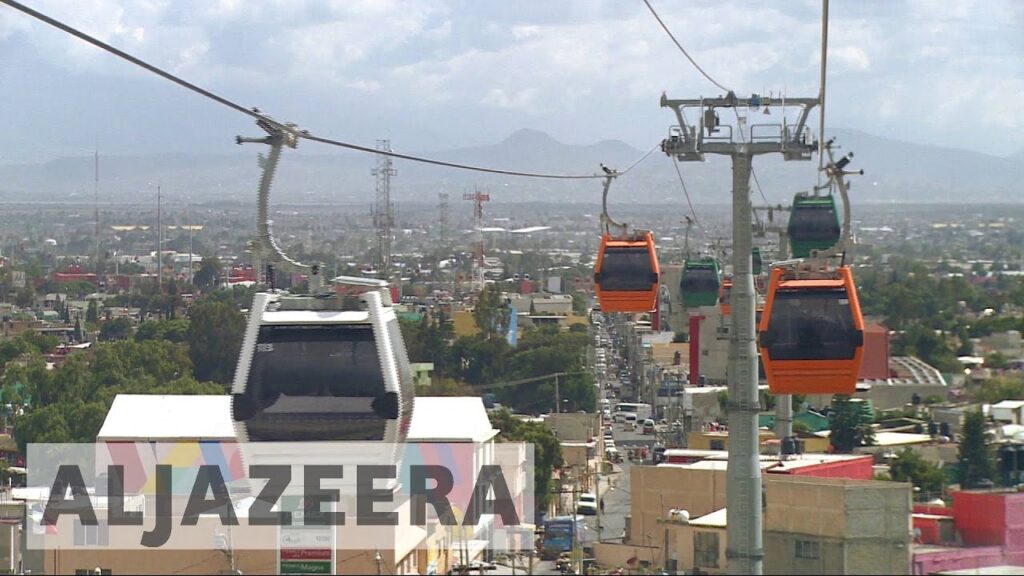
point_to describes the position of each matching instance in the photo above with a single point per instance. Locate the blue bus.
(560, 534)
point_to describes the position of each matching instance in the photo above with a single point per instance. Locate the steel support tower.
(688, 142)
(384, 210)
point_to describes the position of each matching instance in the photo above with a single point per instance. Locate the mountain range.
(895, 171)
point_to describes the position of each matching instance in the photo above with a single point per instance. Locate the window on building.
(718, 444)
(808, 549)
(91, 571)
(705, 549)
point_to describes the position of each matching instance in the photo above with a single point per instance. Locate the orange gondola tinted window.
(626, 269)
(812, 325)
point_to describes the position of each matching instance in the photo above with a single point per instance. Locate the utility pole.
(159, 246)
(384, 212)
(188, 219)
(443, 212)
(690, 143)
(96, 195)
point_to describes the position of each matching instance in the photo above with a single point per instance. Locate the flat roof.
(162, 417)
(719, 460)
(450, 419)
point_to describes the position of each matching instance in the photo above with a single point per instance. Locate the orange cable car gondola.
(811, 335)
(626, 274)
(724, 296)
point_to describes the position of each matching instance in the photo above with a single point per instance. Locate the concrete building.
(816, 521)
(836, 526)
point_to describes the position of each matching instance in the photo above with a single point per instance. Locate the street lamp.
(377, 558)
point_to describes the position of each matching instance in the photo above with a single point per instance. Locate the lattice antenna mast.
(384, 212)
(478, 198)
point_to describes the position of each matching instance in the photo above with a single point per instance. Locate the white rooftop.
(156, 417)
(715, 519)
(450, 419)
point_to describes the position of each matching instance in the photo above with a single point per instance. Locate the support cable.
(255, 113)
(681, 49)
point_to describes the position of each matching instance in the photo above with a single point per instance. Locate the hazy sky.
(445, 74)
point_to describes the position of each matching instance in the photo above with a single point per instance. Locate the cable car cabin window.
(626, 270)
(699, 281)
(815, 223)
(815, 325)
(315, 383)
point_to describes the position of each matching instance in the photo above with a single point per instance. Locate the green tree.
(116, 329)
(999, 388)
(25, 297)
(579, 303)
(446, 387)
(849, 425)
(215, 339)
(490, 313)
(171, 330)
(209, 273)
(997, 361)
(975, 454)
(547, 455)
(92, 312)
(910, 466)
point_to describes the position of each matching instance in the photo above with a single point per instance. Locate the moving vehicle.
(587, 505)
(642, 410)
(648, 426)
(560, 534)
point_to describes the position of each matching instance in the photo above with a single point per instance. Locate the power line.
(682, 183)
(710, 79)
(254, 113)
(681, 49)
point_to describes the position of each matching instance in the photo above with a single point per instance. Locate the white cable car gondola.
(311, 370)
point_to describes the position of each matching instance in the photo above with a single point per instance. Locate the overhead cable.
(681, 49)
(254, 113)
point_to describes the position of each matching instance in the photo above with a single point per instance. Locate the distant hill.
(894, 171)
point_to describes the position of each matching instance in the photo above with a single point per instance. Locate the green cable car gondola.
(813, 224)
(756, 262)
(700, 283)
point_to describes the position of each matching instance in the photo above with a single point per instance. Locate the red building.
(876, 353)
(981, 529)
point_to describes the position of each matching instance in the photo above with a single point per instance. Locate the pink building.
(987, 530)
